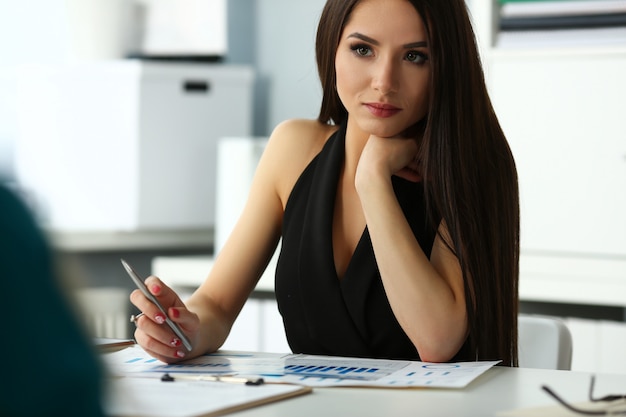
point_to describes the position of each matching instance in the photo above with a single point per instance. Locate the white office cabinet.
(233, 185)
(598, 345)
(127, 145)
(560, 99)
(259, 328)
(564, 118)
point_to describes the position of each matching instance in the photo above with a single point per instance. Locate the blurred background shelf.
(103, 241)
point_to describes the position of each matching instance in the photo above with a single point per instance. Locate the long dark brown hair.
(472, 180)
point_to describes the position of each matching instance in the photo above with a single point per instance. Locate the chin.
(381, 129)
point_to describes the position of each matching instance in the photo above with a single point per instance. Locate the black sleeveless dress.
(323, 314)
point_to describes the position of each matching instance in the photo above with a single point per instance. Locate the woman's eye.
(361, 50)
(416, 57)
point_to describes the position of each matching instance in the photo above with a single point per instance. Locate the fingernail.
(175, 342)
(175, 313)
(159, 318)
(156, 289)
(180, 354)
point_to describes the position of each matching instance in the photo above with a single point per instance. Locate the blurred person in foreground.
(51, 367)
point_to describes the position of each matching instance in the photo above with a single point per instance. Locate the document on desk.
(151, 397)
(308, 370)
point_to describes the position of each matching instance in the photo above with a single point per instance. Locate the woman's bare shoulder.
(302, 133)
(292, 146)
(298, 140)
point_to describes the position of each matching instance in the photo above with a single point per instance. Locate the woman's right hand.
(152, 333)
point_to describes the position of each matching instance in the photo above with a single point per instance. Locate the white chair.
(544, 342)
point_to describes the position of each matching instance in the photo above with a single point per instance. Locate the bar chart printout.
(363, 369)
(319, 371)
(302, 369)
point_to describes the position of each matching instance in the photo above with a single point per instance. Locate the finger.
(409, 174)
(190, 322)
(166, 296)
(404, 158)
(147, 307)
(157, 350)
(159, 340)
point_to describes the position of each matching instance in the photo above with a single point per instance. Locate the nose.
(384, 76)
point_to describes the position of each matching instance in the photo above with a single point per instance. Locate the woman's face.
(383, 68)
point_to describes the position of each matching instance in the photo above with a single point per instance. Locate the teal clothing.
(49, 364)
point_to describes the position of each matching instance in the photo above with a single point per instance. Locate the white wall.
(30, 32)
(43, 32)
(285, 59)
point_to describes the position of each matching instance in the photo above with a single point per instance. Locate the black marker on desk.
(215, 378)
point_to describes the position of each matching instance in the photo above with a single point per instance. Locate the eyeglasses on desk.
(613, 405)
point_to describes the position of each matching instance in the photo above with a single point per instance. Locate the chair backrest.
(544, 342)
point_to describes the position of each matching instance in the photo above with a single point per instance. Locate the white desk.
(499, 389)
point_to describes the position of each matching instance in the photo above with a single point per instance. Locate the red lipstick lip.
(382, 109)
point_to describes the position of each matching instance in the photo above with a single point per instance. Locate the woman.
(397, 208)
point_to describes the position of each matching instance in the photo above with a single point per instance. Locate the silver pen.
(140, 284)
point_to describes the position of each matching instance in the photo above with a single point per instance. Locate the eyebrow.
(420, 44)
